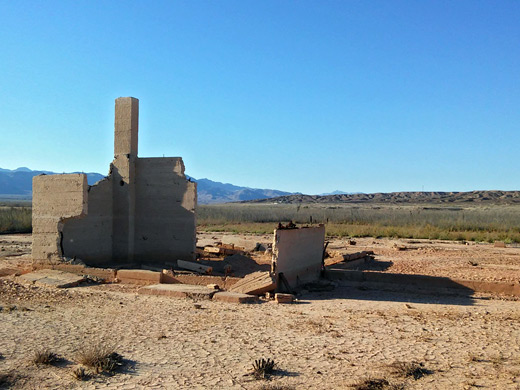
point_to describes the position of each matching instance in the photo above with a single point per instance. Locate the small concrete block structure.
(53, 278)
(178, 291)
(231, 297)
(139, 276)
(142, 212)
(298, 254)
(283, 298)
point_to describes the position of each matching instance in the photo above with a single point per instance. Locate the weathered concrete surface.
(56, 199)
(283, 298)
(179, 291)
(144, 211)
(224, 282)
(256, 283)
(298, 253)
(138, 276)
(233, 297)
(52, 277)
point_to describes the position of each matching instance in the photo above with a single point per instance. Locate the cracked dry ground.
(327, 340)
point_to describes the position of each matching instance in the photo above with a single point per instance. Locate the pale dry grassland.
(470, 223)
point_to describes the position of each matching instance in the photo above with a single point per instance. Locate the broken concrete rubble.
(53, 278)
(256, 283)
(189, 265)
(144, 211)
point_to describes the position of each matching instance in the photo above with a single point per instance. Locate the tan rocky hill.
(476, 197)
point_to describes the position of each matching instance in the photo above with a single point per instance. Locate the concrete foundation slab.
(232, 297)
(54, 278)
(178, 291)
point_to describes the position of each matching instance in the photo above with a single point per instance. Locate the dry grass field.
(471, 223)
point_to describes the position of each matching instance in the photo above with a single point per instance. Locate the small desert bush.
(8, 379)
(80, 374)
(376, 384)
(410, 369)
(45, 356)
(276, 387)
(100, 358)
(262, 368)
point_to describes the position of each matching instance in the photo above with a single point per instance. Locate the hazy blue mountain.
(18, 182)
(209, 191)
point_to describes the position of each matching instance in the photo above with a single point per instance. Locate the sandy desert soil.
(326, 340)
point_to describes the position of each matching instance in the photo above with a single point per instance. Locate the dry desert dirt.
(325, 340)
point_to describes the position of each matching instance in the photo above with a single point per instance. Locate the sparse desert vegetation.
(476, 223)
(45, 356)
(15, 218)
(100, 358)
(481, 223)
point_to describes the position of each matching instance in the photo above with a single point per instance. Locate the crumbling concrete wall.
(90, 238)
(143, 212)
(57, 199)
(165, 210)
(298, 254)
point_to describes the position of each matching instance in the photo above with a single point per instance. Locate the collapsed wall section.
(298, 254)
(57, 199)
(165, 201)
(90, 238)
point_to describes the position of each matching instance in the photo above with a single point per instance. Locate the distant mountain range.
(472, 197)
(18, 183)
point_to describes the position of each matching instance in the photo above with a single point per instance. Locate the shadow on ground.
(379, 286)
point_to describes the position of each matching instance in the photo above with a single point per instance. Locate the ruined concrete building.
(143, 212)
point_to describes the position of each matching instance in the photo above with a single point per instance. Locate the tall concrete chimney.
(126, 127)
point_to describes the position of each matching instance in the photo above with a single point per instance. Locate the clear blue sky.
(307, 96)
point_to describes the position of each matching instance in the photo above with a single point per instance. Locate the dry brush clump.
(80, 374)
(45, 356)
(376, 384)
(8, 379)
(263, 368)
(276, 387)
(410, 369)
(100, 358)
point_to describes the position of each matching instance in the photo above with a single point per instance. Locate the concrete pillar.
(126, 126)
